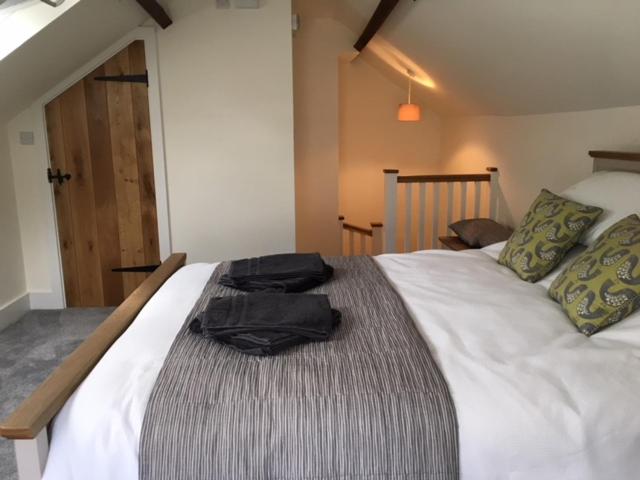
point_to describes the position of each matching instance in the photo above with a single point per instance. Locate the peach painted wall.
(316, 50)
(346, 130)
(372, 139)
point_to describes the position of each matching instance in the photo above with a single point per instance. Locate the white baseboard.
(45, 301)
(13, 310)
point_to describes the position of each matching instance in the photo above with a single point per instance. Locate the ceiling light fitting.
(409, 112)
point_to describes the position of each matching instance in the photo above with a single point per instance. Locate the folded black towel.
(290, 272)
(267, 323)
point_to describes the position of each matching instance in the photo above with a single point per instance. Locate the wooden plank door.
(99, 133)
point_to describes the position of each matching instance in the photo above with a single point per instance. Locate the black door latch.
(58, 176)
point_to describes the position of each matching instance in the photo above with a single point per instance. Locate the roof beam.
(383, 10)
(155, 10)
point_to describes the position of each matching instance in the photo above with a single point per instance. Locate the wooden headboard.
(618, 161)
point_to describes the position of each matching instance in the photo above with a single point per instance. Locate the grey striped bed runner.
(369, 404)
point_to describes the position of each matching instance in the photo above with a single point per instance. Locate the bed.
(534, 398)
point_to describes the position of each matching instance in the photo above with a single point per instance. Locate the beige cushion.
(617, 193)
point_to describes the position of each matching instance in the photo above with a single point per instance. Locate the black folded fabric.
(267, 323)
(289, 272)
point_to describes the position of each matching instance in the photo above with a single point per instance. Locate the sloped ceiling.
(60, 48)
(508, 57)
(493, 57)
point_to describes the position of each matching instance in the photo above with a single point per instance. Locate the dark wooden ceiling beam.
(383, 10)
(155, 10)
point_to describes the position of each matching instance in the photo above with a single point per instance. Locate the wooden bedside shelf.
(454, 243)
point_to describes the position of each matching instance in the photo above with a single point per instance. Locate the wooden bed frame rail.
(433, 184)
(620, 161)
(28, 423)
(627, 156)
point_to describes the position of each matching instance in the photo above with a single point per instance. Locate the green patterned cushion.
(551, 227)
(602, 285)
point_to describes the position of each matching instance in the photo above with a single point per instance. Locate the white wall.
(32, 191)
(536, 151)
(227, 101)
(226, 78)
(12, 282)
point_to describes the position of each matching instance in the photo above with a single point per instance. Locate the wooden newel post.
(341, 233)
(494, 190)
(390, 210)
(377, 240)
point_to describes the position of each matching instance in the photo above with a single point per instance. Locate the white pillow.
(617, 193)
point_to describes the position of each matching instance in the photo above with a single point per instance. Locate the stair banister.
(353, 231)
(432, 184)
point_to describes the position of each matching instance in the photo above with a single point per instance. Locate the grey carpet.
(30, 350)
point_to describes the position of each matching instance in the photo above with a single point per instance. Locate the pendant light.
(409, 112)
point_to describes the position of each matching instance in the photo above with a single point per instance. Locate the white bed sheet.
(96, 434)
(535, 399)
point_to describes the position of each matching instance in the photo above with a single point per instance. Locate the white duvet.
(535, 399)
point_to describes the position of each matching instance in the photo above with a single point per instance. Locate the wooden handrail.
(357, 229)
(375, 233)
(443, 178)
(478, 177)
(35, 413)
(609, 155)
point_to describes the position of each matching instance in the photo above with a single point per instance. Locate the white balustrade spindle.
(422, 205)
(390, 209)
(435, 221)
(408, 217)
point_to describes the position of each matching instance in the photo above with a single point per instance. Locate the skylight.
(22, 19)
(9, 7)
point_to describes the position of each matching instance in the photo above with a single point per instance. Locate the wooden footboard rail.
(28, 424)
(432, 186)
(369, 239)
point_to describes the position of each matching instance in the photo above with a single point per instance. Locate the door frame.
(148, 36)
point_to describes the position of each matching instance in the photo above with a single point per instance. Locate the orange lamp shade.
(409, 112)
